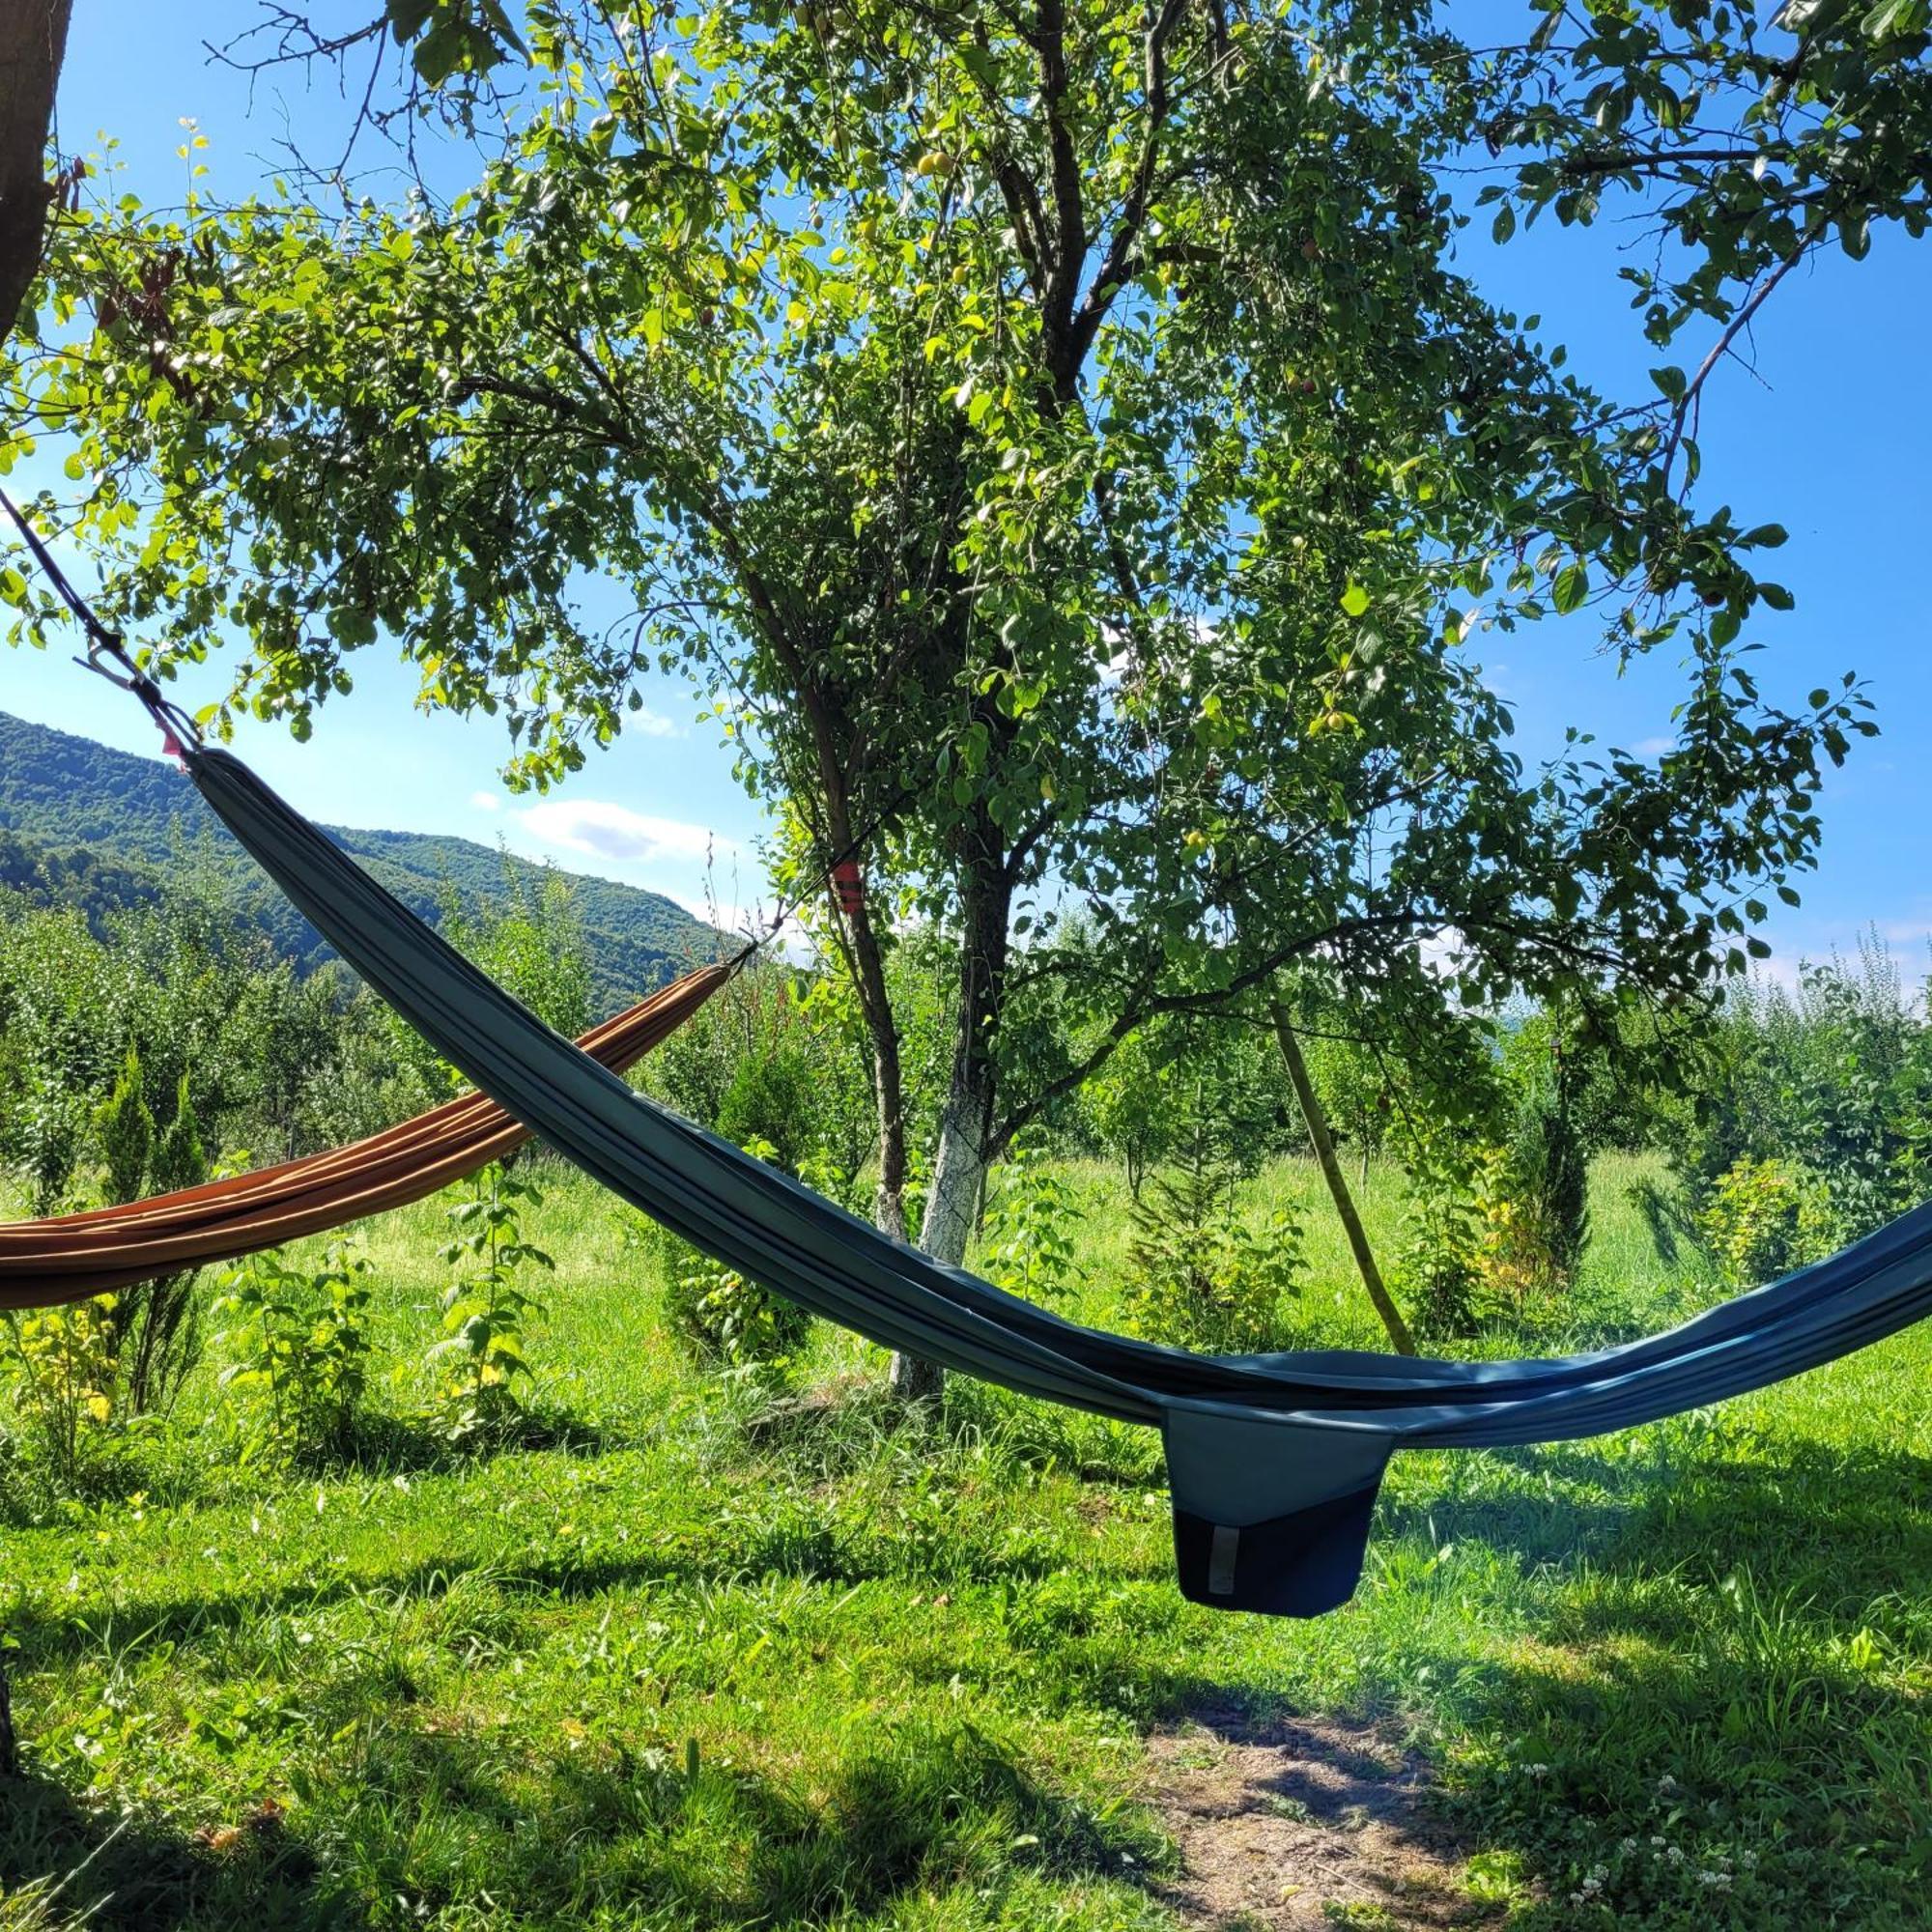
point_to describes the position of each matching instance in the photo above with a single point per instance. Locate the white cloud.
(609, 830)
(1900, 932)
(1655, 748)
(651, 724)
(484, 801)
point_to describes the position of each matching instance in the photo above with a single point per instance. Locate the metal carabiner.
(92, 662)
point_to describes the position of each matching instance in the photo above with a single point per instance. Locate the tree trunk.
(1338, 1186)
(867, 964)
(866, 967)
(33, 39)
(966, 1123)
(9, 1748)
(951, 1203)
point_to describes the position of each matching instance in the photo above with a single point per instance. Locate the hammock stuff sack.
(70, 1257)
(1273, 1461)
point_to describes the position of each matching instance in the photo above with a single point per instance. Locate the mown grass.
(701, 1664)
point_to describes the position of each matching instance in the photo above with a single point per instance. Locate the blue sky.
(1828, 437)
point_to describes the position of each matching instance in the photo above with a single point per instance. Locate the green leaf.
(1893, 19)
(1571, 589)
(1354, 600)
(407, 17)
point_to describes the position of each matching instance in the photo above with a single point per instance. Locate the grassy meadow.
(701, 1660)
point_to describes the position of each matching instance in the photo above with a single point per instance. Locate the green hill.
(100, 829)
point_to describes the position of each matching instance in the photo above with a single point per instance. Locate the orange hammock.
(72, 1256)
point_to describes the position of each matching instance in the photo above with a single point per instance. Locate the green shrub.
(157, 1322)
(46, 1136)
(1028, 1244)
(299, 1345)
(724, 1320)
(1766, 1217)
(480, 1360)
(771, 1100)
(1439, 1274)
(61, 1364)
(1545, 1177)
(1197, 1277)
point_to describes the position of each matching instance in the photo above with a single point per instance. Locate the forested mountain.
(100, 829)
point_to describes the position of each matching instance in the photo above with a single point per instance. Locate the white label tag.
(1221, 1561)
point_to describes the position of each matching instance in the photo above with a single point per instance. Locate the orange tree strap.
(72, 1256)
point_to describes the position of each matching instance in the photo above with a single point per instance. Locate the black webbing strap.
(106, 650)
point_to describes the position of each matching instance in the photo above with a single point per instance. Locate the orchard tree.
(1058, 436)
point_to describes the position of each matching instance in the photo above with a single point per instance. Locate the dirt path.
(1300, 1824)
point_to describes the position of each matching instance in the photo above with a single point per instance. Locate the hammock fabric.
(1273, 1461)
(72, 1256)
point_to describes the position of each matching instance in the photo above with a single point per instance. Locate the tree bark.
(966, 1123)
(33, 40)
(1338, 1186)
(9, 1748)
(867, 964)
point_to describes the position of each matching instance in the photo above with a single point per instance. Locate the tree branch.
(1069, 222)
(1740, 322)
(1113, 275)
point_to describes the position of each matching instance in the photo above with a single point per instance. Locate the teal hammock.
(1274, 1462)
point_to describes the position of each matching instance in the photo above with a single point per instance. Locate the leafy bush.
(1491, 1227)
(46, 1136)
(771, 1100)
(1439, 1274)
(775, 1056)
(1197, 1277)
(725, 1320)
(1836, 1076)
(1536, 1197)
(1177, 1073)
(1766, 1217)
(298, 1344)
(61, 1363)
(1029, 1242)
(480, 1357)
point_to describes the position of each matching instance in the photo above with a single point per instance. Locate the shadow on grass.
(912, 1807)
(428, 1822)
(1669, 1222)
(801, 1548)
(1716, 1704)
(386, 1443)
(383, 1443)
(1846, 1524)
(109, 1869)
